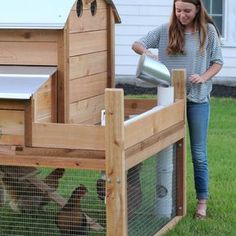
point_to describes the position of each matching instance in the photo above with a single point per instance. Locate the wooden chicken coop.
(57, 75)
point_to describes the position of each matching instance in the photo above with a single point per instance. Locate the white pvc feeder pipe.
(164, 164)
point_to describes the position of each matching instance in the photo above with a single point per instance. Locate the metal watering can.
(153, 71)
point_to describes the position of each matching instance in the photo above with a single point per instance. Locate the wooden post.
(62, 76)
(110, 48)
(28, 120)
(116, 187)
(178, 81)
(54, 104)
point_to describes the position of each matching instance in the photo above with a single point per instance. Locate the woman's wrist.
(204, 78)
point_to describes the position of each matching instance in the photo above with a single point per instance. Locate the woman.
(191, 41)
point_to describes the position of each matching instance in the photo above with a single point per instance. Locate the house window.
(215, 9)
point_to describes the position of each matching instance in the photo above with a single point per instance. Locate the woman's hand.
(197, 79)
(140, 49)
(150, 54)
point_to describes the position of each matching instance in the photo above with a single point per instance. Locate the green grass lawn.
(222, 165)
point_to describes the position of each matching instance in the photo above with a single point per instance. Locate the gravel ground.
(217, 91)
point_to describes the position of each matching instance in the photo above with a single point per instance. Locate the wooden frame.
(114, 148)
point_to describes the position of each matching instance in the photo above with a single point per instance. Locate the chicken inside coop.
(71, 220)
(21, 184)
(134, 189)
(28, 191)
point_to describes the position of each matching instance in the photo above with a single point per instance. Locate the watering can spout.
(153, 71)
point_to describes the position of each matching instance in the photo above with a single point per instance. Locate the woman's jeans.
(198, 119)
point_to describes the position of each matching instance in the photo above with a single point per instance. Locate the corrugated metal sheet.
(39, 14)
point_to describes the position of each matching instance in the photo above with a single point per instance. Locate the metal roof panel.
(43, 14)
(21, 82)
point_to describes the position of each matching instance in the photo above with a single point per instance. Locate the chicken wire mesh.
(64, 202)
(52, 202)
(151, 191)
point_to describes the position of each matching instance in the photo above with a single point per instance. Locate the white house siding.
(139, 16)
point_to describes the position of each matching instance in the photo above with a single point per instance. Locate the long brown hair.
(176, 29)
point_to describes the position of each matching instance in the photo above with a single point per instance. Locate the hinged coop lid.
(42, 14)
(20, 82)
(38, 14)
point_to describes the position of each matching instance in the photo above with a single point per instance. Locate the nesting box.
(74, 37)
(28, 94)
